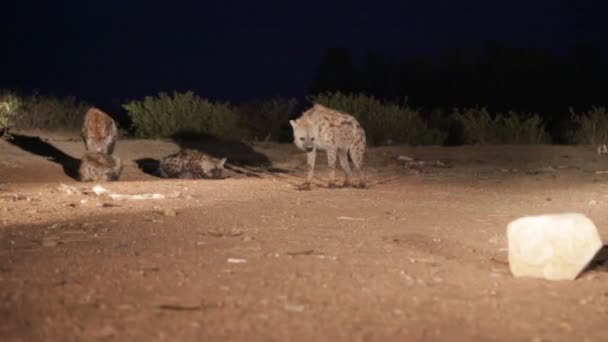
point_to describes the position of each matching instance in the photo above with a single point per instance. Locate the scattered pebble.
(236, 261)
(294, 307)
(106, 332)
(437, 280)
(169, 212)
(69, 190)
(50, 241)
(350, 218)
(54, 226)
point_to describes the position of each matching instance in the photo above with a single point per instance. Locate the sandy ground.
(420, 255)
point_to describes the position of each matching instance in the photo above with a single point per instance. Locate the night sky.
(240, 50)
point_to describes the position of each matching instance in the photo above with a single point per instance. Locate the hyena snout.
(308, 148)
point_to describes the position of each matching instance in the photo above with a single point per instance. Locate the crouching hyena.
(99, 131)
(188, 164)
(97, 167)
(339, 134)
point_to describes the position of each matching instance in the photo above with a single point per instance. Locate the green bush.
(9, 104)
(266, 120)
(511, 128)
(591, 127)
(50, 113)
(166, 116)
(383, 122)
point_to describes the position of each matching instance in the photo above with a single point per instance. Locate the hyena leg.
(109, 144)
(356, 154)
(331, 162)
(343, 155)
(310, 157)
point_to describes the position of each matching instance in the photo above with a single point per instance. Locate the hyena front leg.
(343, 155)
(310, 158)
(331, 162)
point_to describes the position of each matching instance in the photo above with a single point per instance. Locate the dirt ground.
(420, 255)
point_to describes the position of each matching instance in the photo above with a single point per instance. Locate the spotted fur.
(99, 131)
(97, 167)
(191, 164)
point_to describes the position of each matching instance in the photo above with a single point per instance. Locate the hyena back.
(97, 167)
(191, 164)
(337, 133)
(99, 131)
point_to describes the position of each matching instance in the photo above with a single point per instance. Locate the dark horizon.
(109, 52)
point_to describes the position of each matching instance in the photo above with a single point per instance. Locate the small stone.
(169, 212)
(546, 169)
(106, 332)
(593, 202)
(585, 301)
(553, 247)
(236, 261)
(294, 307)
(50, 242)
(437, 280)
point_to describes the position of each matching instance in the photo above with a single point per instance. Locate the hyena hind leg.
(343, 156)
(356, 155)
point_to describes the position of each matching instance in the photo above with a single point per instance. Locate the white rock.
(98, 190)
(553, 247)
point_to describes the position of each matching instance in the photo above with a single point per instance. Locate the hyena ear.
(293, 123)
(222, 162)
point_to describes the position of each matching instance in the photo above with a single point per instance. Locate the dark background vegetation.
(541, 57)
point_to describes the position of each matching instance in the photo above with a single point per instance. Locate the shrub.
(268, 120)
(50, 113)
(166, 116)
(591, 127)
(510, 128)
(383, 122)
(9, 104)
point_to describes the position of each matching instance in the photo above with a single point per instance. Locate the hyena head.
(213, 168)
(305, 135)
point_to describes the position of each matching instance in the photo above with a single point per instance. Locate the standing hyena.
(339, 134)
(99, 131)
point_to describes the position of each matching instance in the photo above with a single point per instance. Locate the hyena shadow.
(42, 148)
(149, 166)
(242, 158)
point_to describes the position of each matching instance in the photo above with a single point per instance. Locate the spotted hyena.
(188, 164)
(337, 133)
(97, 166)
(99, 131)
